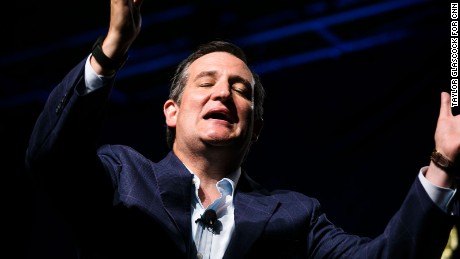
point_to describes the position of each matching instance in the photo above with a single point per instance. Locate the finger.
(445, 105)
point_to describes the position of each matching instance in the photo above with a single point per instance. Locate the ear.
(170, 109)
(258, 125)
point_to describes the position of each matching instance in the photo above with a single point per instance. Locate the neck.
(210, 165)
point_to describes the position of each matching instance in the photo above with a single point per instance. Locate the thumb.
(445, 110)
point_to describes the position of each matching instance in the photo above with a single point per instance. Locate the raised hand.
(447, 143)
(125, 25)
(447, 136)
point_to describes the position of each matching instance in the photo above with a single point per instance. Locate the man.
(198, 202)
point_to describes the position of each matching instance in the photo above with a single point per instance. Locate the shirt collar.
(226, 184)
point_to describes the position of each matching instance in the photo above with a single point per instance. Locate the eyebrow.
(239, 79)
(204, 74)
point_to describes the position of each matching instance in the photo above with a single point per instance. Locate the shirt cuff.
(93, 81)
(441, 196)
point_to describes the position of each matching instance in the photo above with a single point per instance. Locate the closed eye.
(242, 90)
(206, 84)
(241, 86)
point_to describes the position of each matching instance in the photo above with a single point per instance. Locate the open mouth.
(219, 115)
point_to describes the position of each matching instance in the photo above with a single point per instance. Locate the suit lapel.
(174, 184)
(253, 209)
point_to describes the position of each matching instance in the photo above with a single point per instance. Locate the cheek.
(194, 99)
(246, 110)
(191, 110)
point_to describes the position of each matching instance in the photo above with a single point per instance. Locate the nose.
(221, 91)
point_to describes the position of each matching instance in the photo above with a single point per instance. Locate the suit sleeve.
(61, 154)
(419, 229)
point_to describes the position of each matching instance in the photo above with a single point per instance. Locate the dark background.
(353, 95)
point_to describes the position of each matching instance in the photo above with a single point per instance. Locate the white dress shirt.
(217, 242)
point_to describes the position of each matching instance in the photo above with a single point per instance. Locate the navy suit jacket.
(123, 205)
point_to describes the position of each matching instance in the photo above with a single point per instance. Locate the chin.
(219, 142)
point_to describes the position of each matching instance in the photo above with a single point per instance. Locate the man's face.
(217, 104)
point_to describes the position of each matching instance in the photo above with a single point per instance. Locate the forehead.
(222, 63)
